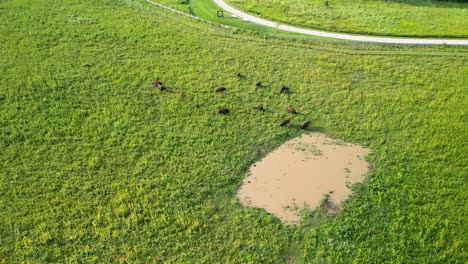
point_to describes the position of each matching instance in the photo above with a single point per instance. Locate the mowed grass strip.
(97, 165)
(411, 18)
(208, 11)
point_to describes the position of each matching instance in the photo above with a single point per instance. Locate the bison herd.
(284, 89)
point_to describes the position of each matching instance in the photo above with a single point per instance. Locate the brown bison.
(284, 89)
(259, 107)
(291, 110)
(220, 89)
(305, 125)
(159, 85)
(285, 122)
(223, 111)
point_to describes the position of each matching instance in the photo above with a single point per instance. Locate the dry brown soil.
(300, 173)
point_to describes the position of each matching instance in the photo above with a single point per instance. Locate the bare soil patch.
(300, 173)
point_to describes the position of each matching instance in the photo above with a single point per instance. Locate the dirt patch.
(300, 173)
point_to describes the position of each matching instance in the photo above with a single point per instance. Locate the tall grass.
(96, 165)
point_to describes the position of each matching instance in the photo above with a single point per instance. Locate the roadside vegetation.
(97, 165)
(412, 18)
(208, 11)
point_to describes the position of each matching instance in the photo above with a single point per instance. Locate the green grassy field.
(421, 18)
(96, 165)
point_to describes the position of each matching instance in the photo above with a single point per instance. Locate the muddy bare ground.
(300, 173)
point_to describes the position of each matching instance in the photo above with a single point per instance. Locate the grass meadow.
(98, 166)
(411, 18)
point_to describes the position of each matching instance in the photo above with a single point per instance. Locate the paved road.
(419, 41)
